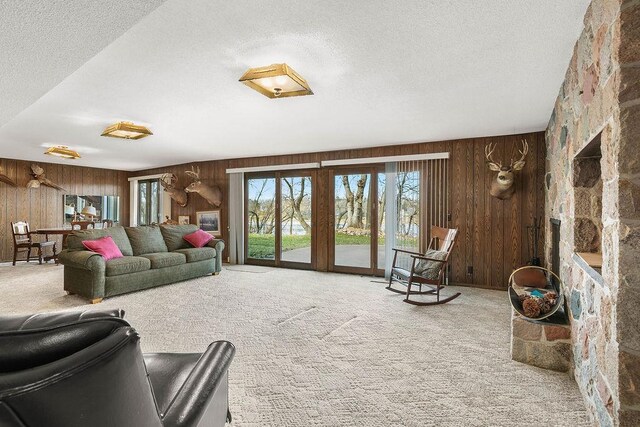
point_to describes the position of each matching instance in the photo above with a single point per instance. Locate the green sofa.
(153, 256)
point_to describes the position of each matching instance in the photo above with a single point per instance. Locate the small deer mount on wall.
(213, 195)
(169, 182)
(502, 187)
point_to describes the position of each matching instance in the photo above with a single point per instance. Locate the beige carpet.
(322, 349)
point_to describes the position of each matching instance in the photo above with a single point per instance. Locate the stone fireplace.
(544, 343)
(593, 190)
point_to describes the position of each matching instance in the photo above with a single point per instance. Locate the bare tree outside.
(295, 218)
(352, 200)
(261, 209)
(353, 215)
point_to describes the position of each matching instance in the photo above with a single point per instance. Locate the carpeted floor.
(323, 349)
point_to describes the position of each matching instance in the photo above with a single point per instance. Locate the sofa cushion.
(198, 254)
(173, 235)
(146, 239)
(118, 234)
(127, 265)
(165, 259)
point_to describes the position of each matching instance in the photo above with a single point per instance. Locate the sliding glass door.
(261, 218)
(357, 222)
(279, 219)
(295, 219)
(344, 218)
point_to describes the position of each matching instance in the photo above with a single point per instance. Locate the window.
(148, 202)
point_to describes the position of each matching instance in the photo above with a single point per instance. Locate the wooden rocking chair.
(426, 271)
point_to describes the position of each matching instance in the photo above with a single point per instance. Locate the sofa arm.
(218, 244)
(193, 399)
(84, 274)
(85, 260)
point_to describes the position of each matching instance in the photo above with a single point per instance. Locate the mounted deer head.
(502, 187)
(168, 182)
(213, 195)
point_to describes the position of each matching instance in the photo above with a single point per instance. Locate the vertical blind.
(236, 218)
(419, 194)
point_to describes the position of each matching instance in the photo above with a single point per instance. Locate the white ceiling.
(383, 72)
(43, 41)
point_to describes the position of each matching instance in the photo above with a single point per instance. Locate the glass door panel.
(382, 204)
(352, 222)
(295, 223)
(154, 208)
(148, 202)
(407, 213)
(143, 191)
(261, 218)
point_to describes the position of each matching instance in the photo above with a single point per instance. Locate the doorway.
(279, 219)
(356, 241)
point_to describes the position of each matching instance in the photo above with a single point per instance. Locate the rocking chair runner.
(442, 239)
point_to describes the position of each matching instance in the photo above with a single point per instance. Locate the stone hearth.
(544, 346)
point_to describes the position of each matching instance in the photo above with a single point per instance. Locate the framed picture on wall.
(184, 219)
(209, 221)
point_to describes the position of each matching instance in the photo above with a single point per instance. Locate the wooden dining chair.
(106, 223)
(23, 242)
(82, 225)
(428, 269)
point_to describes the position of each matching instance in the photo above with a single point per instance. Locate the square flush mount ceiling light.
(276, 81)
(126, 130)
(62, 151)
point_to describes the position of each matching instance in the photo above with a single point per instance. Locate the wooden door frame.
(290, 264)
(277, 176)
(372, 171)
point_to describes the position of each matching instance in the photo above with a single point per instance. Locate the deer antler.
(168, 180)
(193, 173)
(519, 164)
(488, 151)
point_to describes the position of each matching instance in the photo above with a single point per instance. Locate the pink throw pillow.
(198, 238)
(105, 246)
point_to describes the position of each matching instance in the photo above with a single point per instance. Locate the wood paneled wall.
(492, 233)
(43, 207)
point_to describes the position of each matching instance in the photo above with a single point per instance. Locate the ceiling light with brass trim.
(276, 81)
(62, 151)
(126, 130)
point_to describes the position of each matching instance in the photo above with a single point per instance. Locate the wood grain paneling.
(43, 207)
(492, 232)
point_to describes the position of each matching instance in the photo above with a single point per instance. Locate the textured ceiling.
(383, 72)
(43, 41)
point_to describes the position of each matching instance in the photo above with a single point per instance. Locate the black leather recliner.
(87, 369)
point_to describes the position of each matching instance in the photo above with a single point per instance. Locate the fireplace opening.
(587, 187)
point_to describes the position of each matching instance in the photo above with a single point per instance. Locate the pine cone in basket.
(545, 306)
(531, 307)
